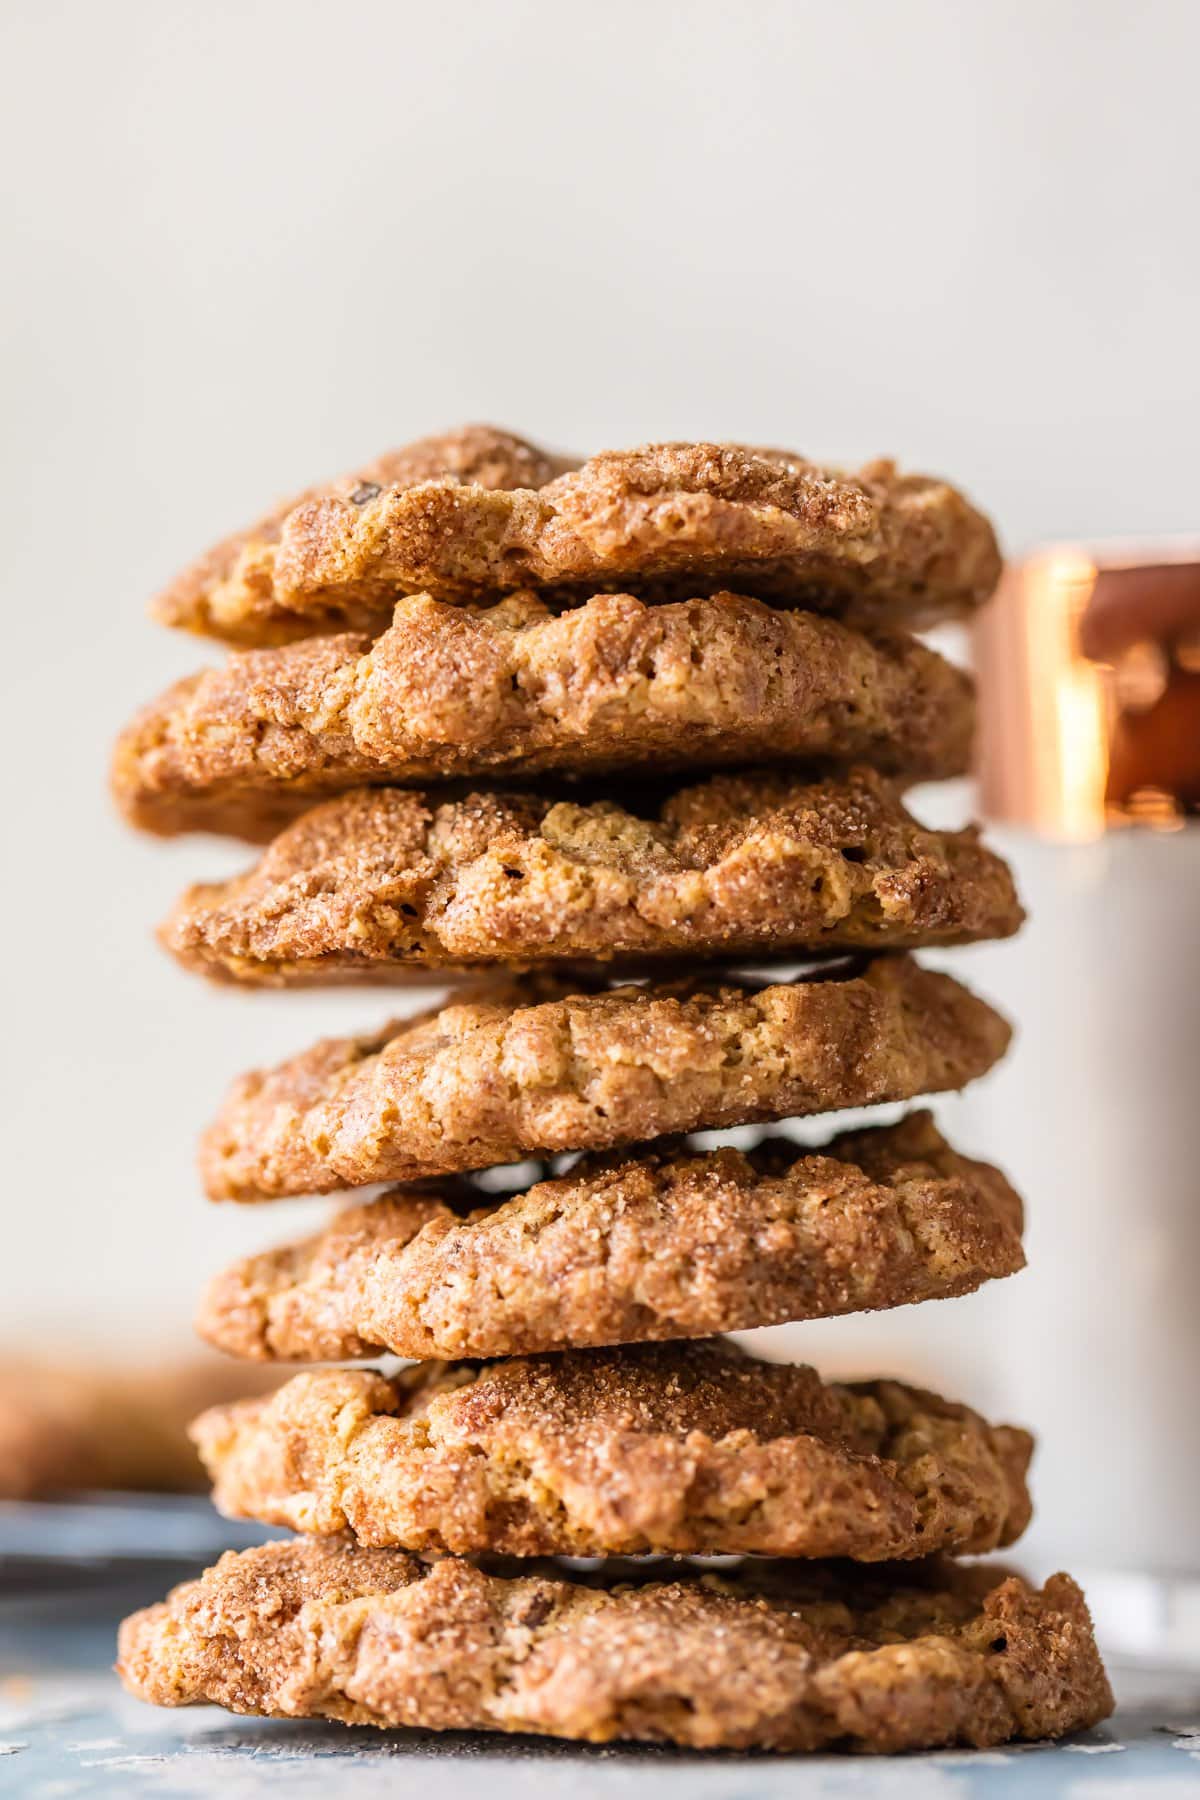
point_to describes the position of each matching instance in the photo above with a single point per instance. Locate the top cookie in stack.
(701, 652)
(463, 608)
(478, 513)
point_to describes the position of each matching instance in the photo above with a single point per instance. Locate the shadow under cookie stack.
(626, 743)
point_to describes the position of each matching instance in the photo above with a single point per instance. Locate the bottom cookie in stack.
(670, 1449)
(781, 1656)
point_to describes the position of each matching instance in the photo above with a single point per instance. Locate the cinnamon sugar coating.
(449, 692)
(661, 520)
(381, 881)
(522, 1069)
(669, 1243)
(678, 1449)
(227, 592)
(779, 1657)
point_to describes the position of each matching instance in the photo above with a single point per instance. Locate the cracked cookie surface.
(668, 1243)
(532, 1069)
(662, 519)
(779, 1657)
(381, 882)
(451, 692)
(227, 592)
(690, 1448)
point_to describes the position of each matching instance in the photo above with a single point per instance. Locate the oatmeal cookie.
(664, 520)
(527, 1069)
(70, 1426)
(776, 1657)
(382, 882)
(672, 1243)
(451, 692)
(689, 1448)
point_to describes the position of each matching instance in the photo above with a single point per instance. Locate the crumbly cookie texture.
(671, 1243)
(663, 520)
(506, 1074)
(779, 1657)
(381, 882)
(449, 692)
(229, 591)
(685, 1448)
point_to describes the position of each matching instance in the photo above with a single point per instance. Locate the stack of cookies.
(626, 741)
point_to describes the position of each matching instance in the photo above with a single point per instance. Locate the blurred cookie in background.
(70, 1428)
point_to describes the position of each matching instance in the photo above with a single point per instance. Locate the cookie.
(779, 1657)
(675, 1449)
(380, 882)
(528, 1069)
(68, 1427)
(672, 1243)
(453, 692)
(227, 592)
(665, 520)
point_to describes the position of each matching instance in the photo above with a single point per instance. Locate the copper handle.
(1063, 745)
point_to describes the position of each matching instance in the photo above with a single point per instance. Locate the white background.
(248, 245)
